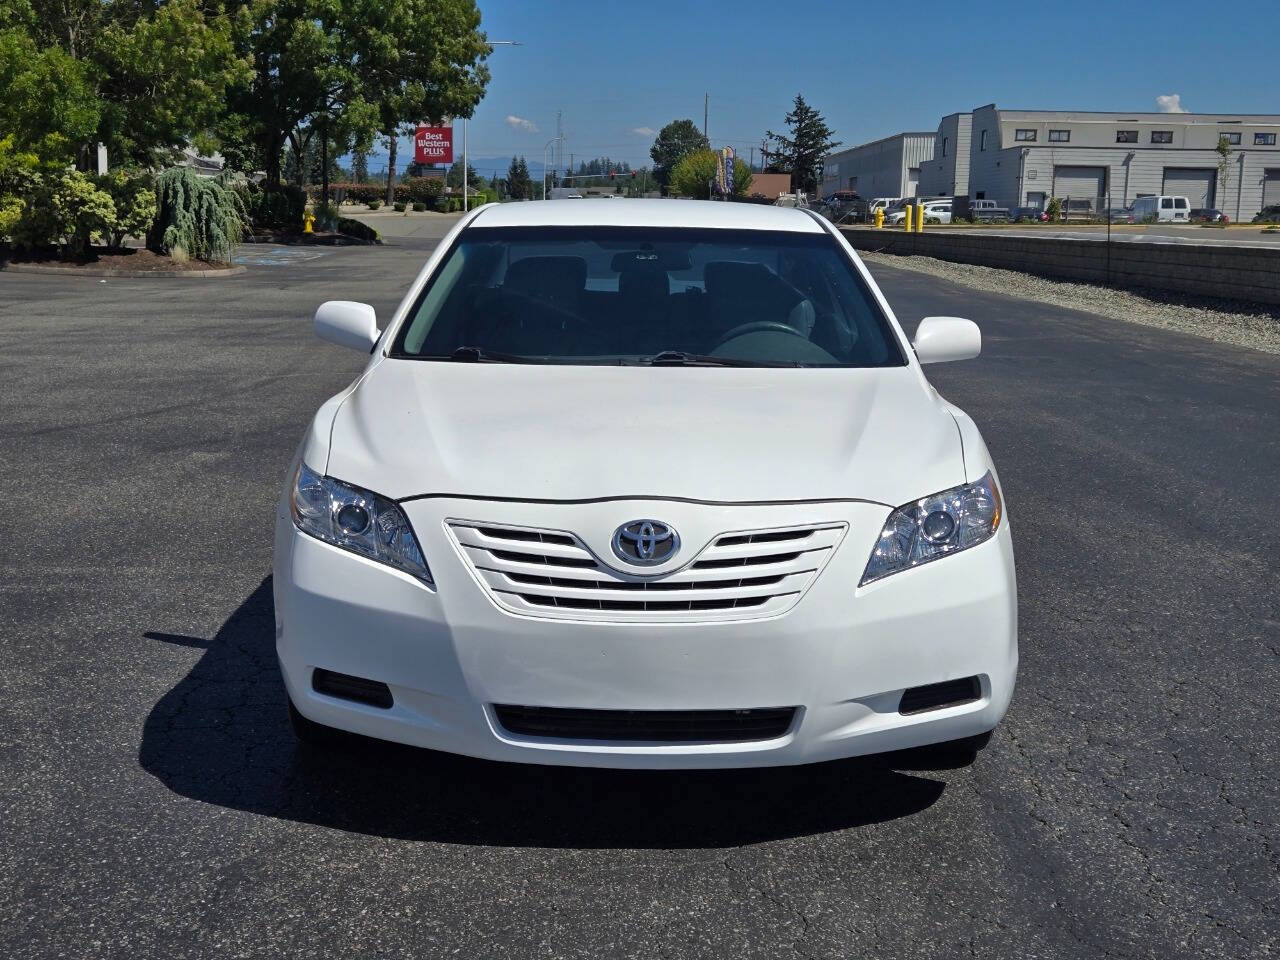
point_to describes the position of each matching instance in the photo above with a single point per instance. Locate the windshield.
(599, 295)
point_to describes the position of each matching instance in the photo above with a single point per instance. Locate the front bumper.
(842, 655)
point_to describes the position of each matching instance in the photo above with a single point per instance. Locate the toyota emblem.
(645, 542)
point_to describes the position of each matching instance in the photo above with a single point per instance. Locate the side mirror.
(939, 339)
(348, 324)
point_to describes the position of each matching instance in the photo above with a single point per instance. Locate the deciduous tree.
(675, 141)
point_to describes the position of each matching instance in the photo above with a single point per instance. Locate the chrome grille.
(552, 573)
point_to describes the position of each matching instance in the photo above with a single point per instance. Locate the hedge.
(413, 190)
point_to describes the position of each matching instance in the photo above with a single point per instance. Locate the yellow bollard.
(879, 217)
(907, 218)
(308, 218)
(919, 219)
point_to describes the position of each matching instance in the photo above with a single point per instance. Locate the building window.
(1231, 138)
(944, 146)
(1264, 139)
(1059, 136)
(1126, 136)
(982, 140)
(1162, 136)
(1025, 135)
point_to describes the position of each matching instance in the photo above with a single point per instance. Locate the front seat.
(558, 281)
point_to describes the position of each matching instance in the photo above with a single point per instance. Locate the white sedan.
(646, 484)
(932, 211)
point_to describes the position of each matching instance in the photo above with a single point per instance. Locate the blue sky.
(618, 71)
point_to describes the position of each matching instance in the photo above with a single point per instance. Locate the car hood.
(540, 432)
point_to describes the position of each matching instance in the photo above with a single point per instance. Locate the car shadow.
(222, 736)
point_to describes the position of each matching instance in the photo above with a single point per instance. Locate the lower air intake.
(935, 696)
(655, 726)
(346, 687)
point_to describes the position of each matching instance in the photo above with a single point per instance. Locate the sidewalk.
(391, 225)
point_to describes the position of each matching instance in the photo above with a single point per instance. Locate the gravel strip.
(1255, 327)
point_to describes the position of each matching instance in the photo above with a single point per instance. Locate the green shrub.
(399, 205)
(1054, 209)
(327, 216)
(361, 231)
(80, 210)
(419, 206)
(420, 189)
(135, 204)
(375, 204)
(201, 218)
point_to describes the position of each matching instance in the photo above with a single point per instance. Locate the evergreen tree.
(802, 153)
(519, 184)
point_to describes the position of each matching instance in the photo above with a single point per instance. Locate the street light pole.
(544, 165)
(466, 170)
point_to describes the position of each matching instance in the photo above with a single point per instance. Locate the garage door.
(1081, 183)
(1196, 184)
(1271, 187)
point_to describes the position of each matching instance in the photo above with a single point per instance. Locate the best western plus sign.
(433, 144)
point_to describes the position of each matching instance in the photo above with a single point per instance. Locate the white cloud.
(520, 123)
(1170, 103)
(643, 131)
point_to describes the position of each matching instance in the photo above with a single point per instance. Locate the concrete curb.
(113, 272)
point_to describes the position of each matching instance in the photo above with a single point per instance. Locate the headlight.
(935, 527)
(356, 520)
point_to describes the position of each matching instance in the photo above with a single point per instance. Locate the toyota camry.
(647, 484)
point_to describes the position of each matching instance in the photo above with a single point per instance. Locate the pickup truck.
(987, 210)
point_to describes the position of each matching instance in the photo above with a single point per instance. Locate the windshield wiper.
(679, 358)
(469, 354)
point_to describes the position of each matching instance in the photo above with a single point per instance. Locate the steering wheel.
(758, 326)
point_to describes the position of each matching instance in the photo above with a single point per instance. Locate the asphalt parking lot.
(154, 803)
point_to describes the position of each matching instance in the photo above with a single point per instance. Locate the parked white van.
(1161, 208)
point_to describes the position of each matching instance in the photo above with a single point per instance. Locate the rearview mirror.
(348, 324)
(939, 339)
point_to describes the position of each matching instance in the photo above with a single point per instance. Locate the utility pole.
(466, 179)
(560, 137)
(706, 103)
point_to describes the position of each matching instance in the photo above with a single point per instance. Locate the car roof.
(647, 213)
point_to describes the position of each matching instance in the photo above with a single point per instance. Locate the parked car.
(1208, 215)
(646, 519)
(1162, 208)
(1028, 215)
(1120, 215)
(939, 210)
(1268, 215)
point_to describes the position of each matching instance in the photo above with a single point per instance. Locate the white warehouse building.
(1021, 158)
(889, 167)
